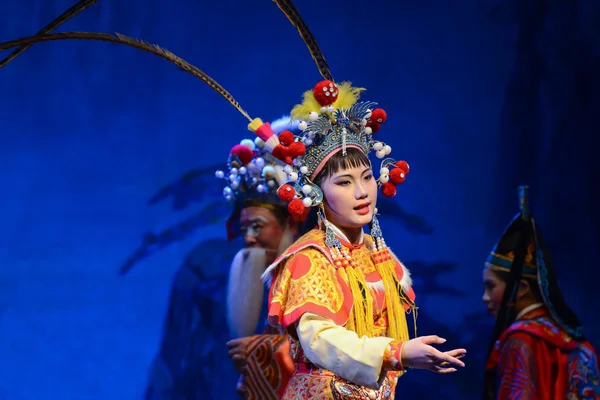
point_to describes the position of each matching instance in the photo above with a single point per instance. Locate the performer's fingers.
(447, 358)
(432, 339)
(234, 343)
(457, 353)
(237, 354)
(441, 370)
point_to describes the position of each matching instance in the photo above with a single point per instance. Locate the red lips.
(363, 205)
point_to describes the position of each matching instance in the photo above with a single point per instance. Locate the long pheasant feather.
(58, 21)
(293, 15)
(138, 44)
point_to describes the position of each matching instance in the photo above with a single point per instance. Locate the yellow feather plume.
(347, 97)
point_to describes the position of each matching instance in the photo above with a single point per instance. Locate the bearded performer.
(538, 349)
(260, 355)
(259, 352)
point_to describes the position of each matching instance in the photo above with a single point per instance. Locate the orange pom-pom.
(373, 125)
(379, 116)
(243, 153)
(397, 176)
(388, 189)
(326, 93)
(296, 207)
(403, 165)
(286, 138)
(286, 192)
(296, 149)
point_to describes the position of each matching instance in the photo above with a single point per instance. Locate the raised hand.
(419, 353)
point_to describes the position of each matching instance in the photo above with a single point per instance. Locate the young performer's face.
(350, 197)
(493, 291)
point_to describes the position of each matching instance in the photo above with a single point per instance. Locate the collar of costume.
(529, 308)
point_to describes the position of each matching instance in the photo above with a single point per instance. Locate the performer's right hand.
(418, 353)
(238, 352)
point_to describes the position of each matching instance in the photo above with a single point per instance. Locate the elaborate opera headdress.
(330, 119)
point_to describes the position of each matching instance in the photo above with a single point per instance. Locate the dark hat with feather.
(522, 253)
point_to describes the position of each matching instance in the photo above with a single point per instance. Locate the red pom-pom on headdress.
(296, 149)
(388, 189)
(378, 116)
(397, 176)
(373, 125)
(326, 93)
(281, 152)
(296, 207)
(286, 138)
(301, 217)
(286, 192)
(243, 153)
(403, 165)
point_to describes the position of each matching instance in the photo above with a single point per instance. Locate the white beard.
(245, 290)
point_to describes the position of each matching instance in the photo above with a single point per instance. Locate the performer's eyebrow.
(258, 219)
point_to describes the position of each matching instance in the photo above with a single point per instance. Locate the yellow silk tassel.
(361, 316)
(397, 325)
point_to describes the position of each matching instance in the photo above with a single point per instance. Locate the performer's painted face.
(261, 229)
(493, 292)
(351, 196)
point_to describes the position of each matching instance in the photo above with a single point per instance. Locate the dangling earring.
(320, 216)
(331, 240)
(376, 232)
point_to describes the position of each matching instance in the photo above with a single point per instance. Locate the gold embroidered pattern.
(392, 357)
(308, 277)
(308, 386)
(309, 280)
(380, 326)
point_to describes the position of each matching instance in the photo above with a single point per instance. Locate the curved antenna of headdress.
(293, 15)
(138, 44)
(58, 21)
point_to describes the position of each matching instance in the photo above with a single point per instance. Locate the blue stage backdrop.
(481, 96)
